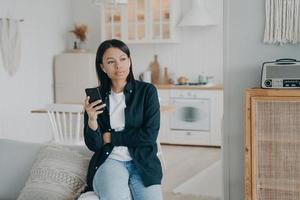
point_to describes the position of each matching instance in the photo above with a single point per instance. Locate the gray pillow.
(58, 174)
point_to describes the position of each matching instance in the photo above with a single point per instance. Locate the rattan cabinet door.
(275, 127)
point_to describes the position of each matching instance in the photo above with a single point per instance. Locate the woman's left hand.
(106, 137)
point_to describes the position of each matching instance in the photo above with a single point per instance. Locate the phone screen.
(93, 93)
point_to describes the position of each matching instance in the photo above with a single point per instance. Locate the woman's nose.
(117, 64)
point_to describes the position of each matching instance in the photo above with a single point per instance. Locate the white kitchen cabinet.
(73, 72)
(141, 21)
(196, 119)
(164, 97)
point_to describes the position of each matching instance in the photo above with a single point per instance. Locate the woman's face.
(116, 64)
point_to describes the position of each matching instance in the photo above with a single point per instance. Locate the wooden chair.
(67, 123)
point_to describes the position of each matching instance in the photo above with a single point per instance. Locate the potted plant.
(80, 32)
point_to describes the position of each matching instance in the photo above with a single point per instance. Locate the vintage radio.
(282, 73)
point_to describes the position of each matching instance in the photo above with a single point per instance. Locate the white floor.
(207, 183)
(186, 169)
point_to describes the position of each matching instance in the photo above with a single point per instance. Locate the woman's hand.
(106, 137)
(93, 110)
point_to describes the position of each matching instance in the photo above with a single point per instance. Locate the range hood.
(197, 15)
(99, 2)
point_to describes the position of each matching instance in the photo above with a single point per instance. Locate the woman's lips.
(120, 72)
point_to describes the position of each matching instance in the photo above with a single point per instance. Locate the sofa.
(16, 162)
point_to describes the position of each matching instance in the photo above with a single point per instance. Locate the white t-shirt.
(117, 121)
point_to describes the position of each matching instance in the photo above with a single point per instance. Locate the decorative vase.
(82, 45)
(79, 47)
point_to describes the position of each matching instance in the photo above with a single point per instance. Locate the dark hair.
(104, 80)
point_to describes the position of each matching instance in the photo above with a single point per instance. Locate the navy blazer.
(142, 122)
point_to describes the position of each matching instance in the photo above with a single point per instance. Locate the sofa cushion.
(58, 173)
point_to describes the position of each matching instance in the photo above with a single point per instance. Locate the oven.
(190, 123)
(190, 114)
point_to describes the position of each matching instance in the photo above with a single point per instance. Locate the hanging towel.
(10, 44)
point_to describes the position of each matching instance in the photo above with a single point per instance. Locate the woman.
(122, 130)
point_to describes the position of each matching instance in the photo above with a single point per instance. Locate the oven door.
(190, 114)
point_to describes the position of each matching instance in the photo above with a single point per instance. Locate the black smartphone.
(93, 93)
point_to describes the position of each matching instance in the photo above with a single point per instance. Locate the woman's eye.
(123, 59)
(110, 62)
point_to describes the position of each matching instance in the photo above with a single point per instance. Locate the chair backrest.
(66, 122)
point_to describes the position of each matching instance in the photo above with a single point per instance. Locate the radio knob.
(268, 83)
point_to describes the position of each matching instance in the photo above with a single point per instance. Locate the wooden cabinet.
(141, 21)
(272, 144)
(73, 72)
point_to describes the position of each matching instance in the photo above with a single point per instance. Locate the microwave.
(282, 74)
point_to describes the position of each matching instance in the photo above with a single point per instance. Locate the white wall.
(44, 33)
(244, 54)
(200, 49)
(84, 11)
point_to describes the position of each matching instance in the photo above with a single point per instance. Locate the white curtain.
(282, 21)
(10, 44)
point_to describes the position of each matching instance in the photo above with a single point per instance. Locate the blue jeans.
(119, 180)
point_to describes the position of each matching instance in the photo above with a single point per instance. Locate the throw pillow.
(58, 174)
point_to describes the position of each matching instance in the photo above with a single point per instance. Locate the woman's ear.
(102, 67)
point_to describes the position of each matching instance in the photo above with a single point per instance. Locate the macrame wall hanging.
(282, 22)
(10, 44)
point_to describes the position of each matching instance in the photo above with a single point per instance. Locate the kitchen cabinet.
(272, 144)
(197, 116)
(164, 96)
(73, 72)
(141, 21)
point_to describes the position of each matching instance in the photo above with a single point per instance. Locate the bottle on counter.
(202, 78)
(166, 76)
(154, 67)
(172, 78)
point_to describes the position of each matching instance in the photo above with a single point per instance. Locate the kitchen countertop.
(191, 87)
